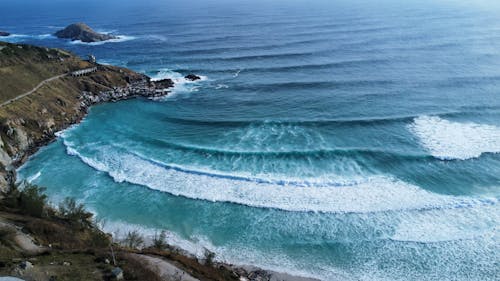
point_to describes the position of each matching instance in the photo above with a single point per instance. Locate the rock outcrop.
(32, 121)
(164, 83)
(82, 32)
(4, 34)
(192, 77)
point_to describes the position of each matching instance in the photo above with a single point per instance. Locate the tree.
(75, 213)
(159, 241)
(133, 240)
(32, 200)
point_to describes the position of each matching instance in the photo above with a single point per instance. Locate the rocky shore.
(32, 122)
(143, 88)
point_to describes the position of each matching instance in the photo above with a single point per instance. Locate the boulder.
(192, 77)
(164, 83)
(4, 34)
(25, 265)
(82, 32)
(117, 273)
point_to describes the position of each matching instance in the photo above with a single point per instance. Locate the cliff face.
(81, 31)
(31, 121)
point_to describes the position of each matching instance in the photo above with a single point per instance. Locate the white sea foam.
(120, 38)
(194, 246)
(221, 86)
(181, 84)
(156, 37)
(375, 194)
(454, 140)
(446, 224)
(15, 38)
(237, 73)
(35, 176)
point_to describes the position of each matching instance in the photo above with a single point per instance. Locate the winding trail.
(33, 90)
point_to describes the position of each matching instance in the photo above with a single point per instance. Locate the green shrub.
(75, 213)
(159, 241)
(32, 200)
(99, 239)
(133, 240)
(7, 236)
(209, 257)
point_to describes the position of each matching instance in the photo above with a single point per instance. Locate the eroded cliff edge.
(29, 120)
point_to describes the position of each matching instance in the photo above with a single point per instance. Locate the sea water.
(343, 140)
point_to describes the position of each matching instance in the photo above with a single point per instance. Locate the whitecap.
(375, 194)
(448, 140)
(156, 37)
(181, 84)
(34, 177)
(221, 86)
(444, 225)
(16, 38)
(120, 38)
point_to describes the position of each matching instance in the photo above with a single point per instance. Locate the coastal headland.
(43, 91)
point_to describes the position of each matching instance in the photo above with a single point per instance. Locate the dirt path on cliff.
(33, 90)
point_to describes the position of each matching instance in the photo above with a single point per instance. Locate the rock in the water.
(4, 34)
(164, 83)
(82, 32)
(192, 77)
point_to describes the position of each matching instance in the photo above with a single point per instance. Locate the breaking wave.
(120, 38)
(449, 140)
(373, 194)
(182, 85)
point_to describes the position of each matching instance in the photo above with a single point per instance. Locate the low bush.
(75, 213)
(32, 200)
(133, 240)
(159, 241)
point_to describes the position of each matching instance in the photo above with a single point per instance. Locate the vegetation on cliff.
(39, 241)
(32, 121)
(71, 247)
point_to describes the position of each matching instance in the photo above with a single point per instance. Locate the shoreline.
(253, 272)
(143, 86)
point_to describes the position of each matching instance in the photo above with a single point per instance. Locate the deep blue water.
(337, 139)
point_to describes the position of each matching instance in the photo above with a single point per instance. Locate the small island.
(82, 32)
(4, 34)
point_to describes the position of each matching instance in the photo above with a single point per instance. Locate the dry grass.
(22, 67)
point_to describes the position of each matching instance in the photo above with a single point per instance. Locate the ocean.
(342, 140)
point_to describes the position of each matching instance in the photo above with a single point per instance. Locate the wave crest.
(373, 194)
(449, 140)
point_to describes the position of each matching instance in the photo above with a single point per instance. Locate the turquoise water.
(351, 141)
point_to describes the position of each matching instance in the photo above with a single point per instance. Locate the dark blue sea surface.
(343, 140)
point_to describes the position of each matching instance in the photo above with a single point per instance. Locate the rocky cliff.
(32, 121)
